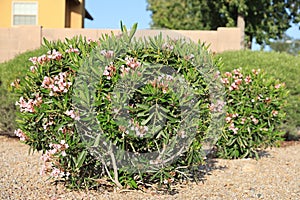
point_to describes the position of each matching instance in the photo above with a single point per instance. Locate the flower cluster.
(229, 119)
(237, 79)
(16, 83)
(48, 123)
(51, 55)
(49, 157)
(254, 120)
(131, 64)
(109, 71)
(218, 106)
(230, 116)
(20, 134)
(72, 50)
(139, 131)
(72, 114)
(28, 106)
(58, 84)
(107, 54)
(255, 71)
(162, 82)
(233, 128)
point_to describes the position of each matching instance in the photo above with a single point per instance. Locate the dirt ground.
(275, 176)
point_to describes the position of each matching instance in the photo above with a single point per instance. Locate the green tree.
(260, 19)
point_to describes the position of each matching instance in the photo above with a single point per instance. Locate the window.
(25, 13)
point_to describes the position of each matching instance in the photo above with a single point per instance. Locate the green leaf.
(147, 120)
(80, 159)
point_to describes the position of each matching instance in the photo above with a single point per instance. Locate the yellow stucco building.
(45, 13)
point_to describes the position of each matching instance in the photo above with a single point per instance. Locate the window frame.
(13, 15)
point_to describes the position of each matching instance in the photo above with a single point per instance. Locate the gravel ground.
(275, 176)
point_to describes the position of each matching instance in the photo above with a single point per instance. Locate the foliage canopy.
(264, 19)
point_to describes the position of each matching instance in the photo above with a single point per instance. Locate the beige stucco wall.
(19, 39)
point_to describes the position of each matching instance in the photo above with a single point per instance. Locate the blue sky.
(108, 14)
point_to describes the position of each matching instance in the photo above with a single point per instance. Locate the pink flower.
(238, 81)
(55, 146)
(268, 100)
(72, 50)
(228, 119)
(236, 71)
(57, 84)
(235, 115)
(237, 74)
(63, 153)
(55, 172)
(63, 130)
(33, 60)
(20, 134)
(42, 59)
(16, 83)
(228, 74)
(248, 79)
(218, 107)
(132, 62)
(233, 86)
(32, 68)
(38, 100)
(274, 112)
(46, 156)
(63, 144)
(254, 120)
(107, 54)
(46, 82)
(54, 55)
(233, 128)
(243, 120)
(29, 106)
(48, 124)
(279, 85)
(109, 71)
(72, 114)
(124, 70)
(254, 71)
(225, 80)
(106, 72)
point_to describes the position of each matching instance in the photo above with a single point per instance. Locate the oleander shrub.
(150, 97)
(255, 111)
(281, 66)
